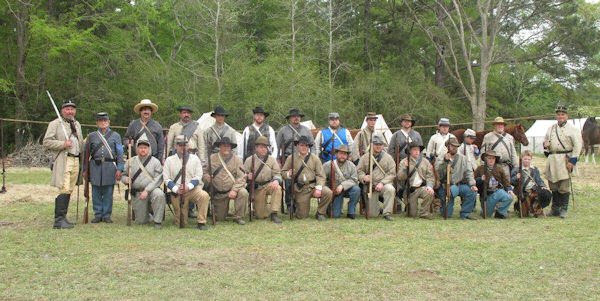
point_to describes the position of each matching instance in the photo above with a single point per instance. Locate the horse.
(591, 136)
(516, 130)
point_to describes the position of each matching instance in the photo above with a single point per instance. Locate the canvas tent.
(381, 127)
(537, 133)
(309, 124)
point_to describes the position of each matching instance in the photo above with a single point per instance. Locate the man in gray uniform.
(106, 164)
(146, 177)
(216, 132)
(146, 125)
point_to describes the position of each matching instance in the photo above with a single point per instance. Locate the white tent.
(537, 133)
(309, 124)
(207, 121)
(381, 127)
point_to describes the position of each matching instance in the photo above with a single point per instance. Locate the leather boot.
(556, 204)
(68, 200)
(275, 218)
(564, 204)
(60, 210)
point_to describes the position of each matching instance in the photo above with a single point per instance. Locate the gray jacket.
(104, 162)
(286, 134)
(460, 172)
(399, 140)
(346, 175)
(143, 182)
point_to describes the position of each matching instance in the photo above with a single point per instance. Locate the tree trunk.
(330, 55)
(21, 93)
(366, 33)
(216, 37)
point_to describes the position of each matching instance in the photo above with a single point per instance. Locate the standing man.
(503, 144)
(384, 172)
(462, 182)
(258, 129)
(499, 192)
(403, 137)
(146, 177)
(229, 181)
(330, 138)
(309, 180)
(562, 147)
(470, 150)
(193, 134)
(437, 143)
(346, 181)
(146, 125)
(189, 128)
(267, 180)
(106, 166)
(217, 132)
(288, 134)
(66, 152)
(363, 138)
(533, 185)
(192, 188)
(420, 181)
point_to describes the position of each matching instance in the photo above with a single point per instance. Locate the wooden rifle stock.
(183, 186)
(484, 192)
(370, 191)
(332, 185)
(520, 188)
(448, 192)
(86, 188)
(291, 209)
(211, 188)
(397, 159)
(129, 209)
(252, 183)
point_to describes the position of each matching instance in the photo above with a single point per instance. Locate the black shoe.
(157, 226)
(107, 220)
(68, 222)
(351, 216)
(202, 226)
(275, 218)
(59, 223)
(320, 217)
(498, 215)
(429, 217)
(240, 221)
(388, 218)
(471, 218)
(96, 220)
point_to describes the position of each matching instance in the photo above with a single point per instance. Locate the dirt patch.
(587, 174)
(424, 273)
(19, 193)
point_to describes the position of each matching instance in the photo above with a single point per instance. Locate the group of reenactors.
(270, 171)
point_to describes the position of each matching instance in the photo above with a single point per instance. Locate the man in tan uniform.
(384, 172)
(562, 147)
(192, 188)
(362, 141)
(309, 180)
(229, 181)
(66, 152)
(267, 174)
(420, 183)
(503, 144)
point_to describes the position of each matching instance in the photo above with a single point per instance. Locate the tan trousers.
(221, 205)
(263, 207)
(197, 196)
(388, 193)
(413, 200)
(562, 186)
(303, 197)
(70, 176)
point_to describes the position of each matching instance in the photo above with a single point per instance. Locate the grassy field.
(336, 259)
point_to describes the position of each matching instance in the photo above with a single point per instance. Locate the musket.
(407, 183)
(181, 196)
(129, 208)
(291, 209)
(397, 155)
(572, 193)
(211, 188)
(86, 188)
(252, 182)
(165, 188)
(77, 207)
(281, 162)
(520, 188)
(332, 185)
(3, 190)
(448, 196)
(484, 192)
(370, 191)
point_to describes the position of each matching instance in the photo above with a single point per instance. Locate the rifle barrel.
(181, 196)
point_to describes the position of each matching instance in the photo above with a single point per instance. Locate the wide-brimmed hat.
(407, 117)
(68, 103)
(304, 140)
(294, 112)
(260, 110)
(225, 140)
(490, 153)
(219, 111)
(414, 144)
(180, 139)
(444, 121)
(452, 141)
(102, 115)
(342, 148)
(145, 103)
(561, 108)
(498, 120)
(470, 133)
(185, 108)
(262, 140)
(371, 115)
